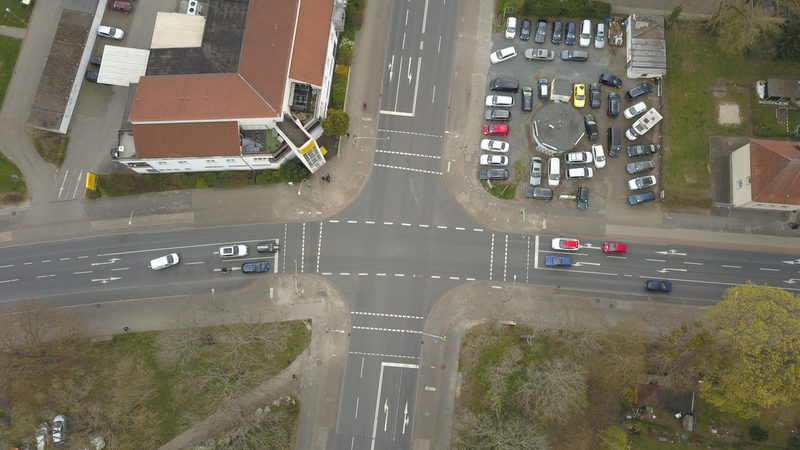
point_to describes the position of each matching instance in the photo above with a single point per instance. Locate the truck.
(643, 125)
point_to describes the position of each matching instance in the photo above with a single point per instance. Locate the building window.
(748, 181)
(739, 184)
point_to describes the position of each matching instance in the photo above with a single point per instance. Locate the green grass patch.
(339, 86)
(9, 51)
(695, 65)
(52, 147)
(504, 191)
(19, 15)
(770, 121)
(12, 184)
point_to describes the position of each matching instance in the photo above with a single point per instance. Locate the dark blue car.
(570, 36)
(642, 197)
(255, 267)
(557, 261)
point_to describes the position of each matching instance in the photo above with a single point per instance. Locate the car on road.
(591, 127)
(511, 27)
(599, 156)
(233, 251)
(635, 110)
(582, 197)
(497, 115)
(59, 429)
(558, 32)
(527, 99)
(610, 80)
(642, 149)
(613, 104)
(255, 267)
(639, 166)
(504, 54)
(162, 262)
(579, 95)
(585, 39)
(493, 174)
(110, 32)
(571, 34)
(120, 6)
(268, 247)
(538, 193)
(638, 91)
(600, 36)
(578, 158)
(536, 171)
(557, 261)
(641, 197)
(565, 244)
(594, 95)
(541, 31)
(543, 87)
(574, 55)
(525, 30)
(91, 76)
(493, 160)
(504, 85)
(642, 182)
(553, 171)
(658, 286)
(501, 101)
(539, 54)
(495, 129)
(614, 247)
(495, 146)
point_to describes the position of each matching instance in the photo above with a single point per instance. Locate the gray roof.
(779, 87)
(647, 48)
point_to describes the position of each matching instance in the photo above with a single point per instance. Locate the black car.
(255, 267)
(525, 30)
(497, 115)
(639, 166)
(504, 85)
(96, 60)
(610, 80)
(572, 31)
(558, 29)
(583, 197)
(639, 90)
(613, 104)
(642, 149)
(527, 98)
(591, 127)
(541, 32)
(538, 193)
(92, 76)
(642, 197)
(493, 174)
(594, 95)
(658, 285)
(544, 88)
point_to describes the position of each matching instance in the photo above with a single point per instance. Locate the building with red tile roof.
(765, 175)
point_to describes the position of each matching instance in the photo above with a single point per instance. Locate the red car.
(495, 129)
(614, 247)
(125, 7)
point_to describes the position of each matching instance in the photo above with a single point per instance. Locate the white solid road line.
(731, 267)
(193, 263)
(9, 281)
(536, 252)
(384, 355)
(769, 269)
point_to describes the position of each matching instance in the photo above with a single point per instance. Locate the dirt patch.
(728, 114)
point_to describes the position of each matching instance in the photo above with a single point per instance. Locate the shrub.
(344, 55)
(200, 183)
(339, 87)
(757, 433)
(294, 171)
(547, 8)
(13, 198)
(336, 122)
(268, 177)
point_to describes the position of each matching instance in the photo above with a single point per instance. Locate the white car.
(600, 36)
(501, 101)
(233, 251)
(642, 182)
(566, 244)
(504, 54)
(553, 171)
(110, 32)
(599, 156)
(635, 110)
(511, 28)
(59, 429)
(494, 160)
(585, 38)
(578, 158)
(494, 146)
(162, 262)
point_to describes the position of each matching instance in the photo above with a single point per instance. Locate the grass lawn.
(51, 146)
(770, 121)
(12, 184)
(9, 50)
(19, 16)
(695, 65)
(504, 191)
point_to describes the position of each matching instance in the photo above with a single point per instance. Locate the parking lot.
(609, 186)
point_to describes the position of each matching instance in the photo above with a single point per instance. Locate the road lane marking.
(655, 260)
(369, 222)
(388, 223)
(505, 260)
(302, 250)
(536, 252)
(399, 274)
(469, 279)
(422, 225)
(7, 265)
(358, 398)
(362, 274)
(387, 166)
(396, 316)
(528, 260)
(460, 228)
(319, 247)
(45, 276)
(193, 263)
(378, 395)
(121, 268)
(731, 267)
(455, 278)
(405, 224)
(344, 273)
(617, 257)
(410, 132)
(380, 274)
(27, 263)
(325, 273)
(436, 277)
(81, 273)
(352, 221)
(497, 287)
(84, 257)
(384, 355)
(333, 221)
(419, 155)
(441, 227)
(9, 281)
(477, 229)
(491, 258)
(693, 263)
(47, 260)
(769, 269)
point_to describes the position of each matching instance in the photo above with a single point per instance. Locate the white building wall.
(741, 192)
(209, 164)
(327, 75)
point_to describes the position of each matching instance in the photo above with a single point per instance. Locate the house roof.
(777, 87)
(775, 171)
(176, 140)
(663, 397)
(311, 41)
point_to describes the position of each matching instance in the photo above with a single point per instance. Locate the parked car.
(255, 267)
(493, 160)
(233, 251)
(578, 158)
(579, 173)
(579, 95)
(110, 32)
(613, 104)
(495, 129)
(558, 31)
(591, 127)
(614, 247)
(497, 115)
(504, 54)
(639, 166)
(541, 31)
(565, 244)
(96, 60)
(536, 171)
(571, 35)
(268, 247)
(600, 36)
(642, 149)
(638, 91)
(585, 39)
(594, 95)
(574, 55)
(582, 197)
(553, 171)
(511, 27)
(539, 54)
(525, 30)
(557, 261)
(493, 174)
(91, 76)
(641, 197)
(59, 429)
(658, 285)
(538, 193)
(502, 101)
(614, 141)
(635, 110)
(504, 85)
(527, 99)
(610, 80)
(544, 88)
(494, 146)
(599, 156)
(125, 7)
(642, 182)
(162, 262)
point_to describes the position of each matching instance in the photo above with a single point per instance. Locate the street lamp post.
(8, 10)
(130, 218)
(442, 338)
(296, 287)
(387, 138)
(308, 184)
(513, 288)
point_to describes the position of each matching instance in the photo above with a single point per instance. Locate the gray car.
(639, 166)
(493, 174)
(536, 171)
(497, 115)
(594, 95)
(541, 32)
(538, 193)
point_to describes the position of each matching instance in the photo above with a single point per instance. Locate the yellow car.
(579, 97)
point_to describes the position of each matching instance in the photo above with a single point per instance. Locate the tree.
(294, 171)
(741, 26)
(755, 350)
(787, 44)
(553, 390)
(486, 432)
(336, 122)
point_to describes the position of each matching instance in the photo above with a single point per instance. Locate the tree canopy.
(336, 122)
(741, 26)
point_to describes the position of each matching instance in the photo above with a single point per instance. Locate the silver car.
(59, 429)
(536, 171)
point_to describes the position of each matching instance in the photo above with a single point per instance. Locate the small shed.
(561, 90)
(663, 397)
(646, 47)
(778, 91)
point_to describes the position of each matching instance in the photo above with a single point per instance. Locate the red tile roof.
(311, 41)
(775, 171)
(176, 140)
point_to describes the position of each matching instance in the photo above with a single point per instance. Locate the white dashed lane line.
(769, 269)
(438, 136)
(387, 166)
(388, 152)
(396, 316)
(731, 267)
(383, 355)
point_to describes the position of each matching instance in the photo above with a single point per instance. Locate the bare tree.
(498, 377)
(487, 432)
(554, 389)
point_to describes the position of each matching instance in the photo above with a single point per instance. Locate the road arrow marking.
(792, 281)
(106, 280)
(665, 270)
(588, 246)
(579, 264)
(796, 261)
(671, 252)
(405, 417)
(110, 261)
(386, 413)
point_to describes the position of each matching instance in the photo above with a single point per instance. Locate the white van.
(585, 38)
(554, 172)
(600, 36)
(580, 173)
(162, 262)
